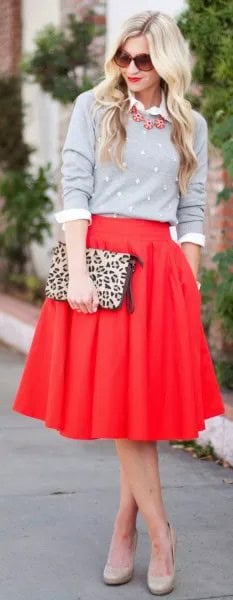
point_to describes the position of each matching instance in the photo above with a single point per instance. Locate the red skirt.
(146, 375)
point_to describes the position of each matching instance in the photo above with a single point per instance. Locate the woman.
(134, 163)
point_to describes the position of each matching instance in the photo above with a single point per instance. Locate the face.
(144, 80)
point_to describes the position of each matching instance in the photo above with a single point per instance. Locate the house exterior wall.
(41, 128)
(10, 36)
(118, 11)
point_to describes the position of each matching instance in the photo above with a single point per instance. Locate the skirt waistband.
(130, 226)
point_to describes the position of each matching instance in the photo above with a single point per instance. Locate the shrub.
(26, 205)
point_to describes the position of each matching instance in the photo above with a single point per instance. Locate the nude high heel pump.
(118, 575)
(163, 584)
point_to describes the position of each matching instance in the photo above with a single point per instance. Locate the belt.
(113, 215)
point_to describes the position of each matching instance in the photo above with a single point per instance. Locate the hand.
(82, 293)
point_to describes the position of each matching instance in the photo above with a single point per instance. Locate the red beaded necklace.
(158, 122)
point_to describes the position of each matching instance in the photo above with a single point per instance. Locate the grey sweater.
(147, 189)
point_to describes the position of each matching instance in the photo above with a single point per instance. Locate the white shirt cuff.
(195, 238)
(72, 214)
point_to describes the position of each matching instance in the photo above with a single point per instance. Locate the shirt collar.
(153, 110)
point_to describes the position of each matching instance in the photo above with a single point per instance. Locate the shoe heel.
(164, 584)
(119, 575)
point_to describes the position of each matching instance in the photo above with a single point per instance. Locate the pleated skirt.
(145, 375)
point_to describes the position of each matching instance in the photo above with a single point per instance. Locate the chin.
(134, 84)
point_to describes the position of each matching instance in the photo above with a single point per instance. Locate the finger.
(72, 305)
(95, 302)
(95, 306)
(89, 305)
(90, 309)
(78, 305)
(83, 307)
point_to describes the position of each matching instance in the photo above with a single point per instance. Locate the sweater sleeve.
(191, 206)
(78, 159)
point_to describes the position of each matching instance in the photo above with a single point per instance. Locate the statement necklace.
(158, 122)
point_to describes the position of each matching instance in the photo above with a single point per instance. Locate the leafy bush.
(217, 304)
(26, 204)
(217, 291)
(208, 26)
(224, 371)
(59, 54)
(14, 152)
(224, 291)
(25, 287)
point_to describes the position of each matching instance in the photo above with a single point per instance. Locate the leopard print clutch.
(110, 271)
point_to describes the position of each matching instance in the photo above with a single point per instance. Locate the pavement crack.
(62, 492)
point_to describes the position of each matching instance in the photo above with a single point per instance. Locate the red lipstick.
(134, 78)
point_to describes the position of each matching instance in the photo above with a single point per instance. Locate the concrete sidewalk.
(58, 500)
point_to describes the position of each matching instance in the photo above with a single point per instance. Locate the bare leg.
(140, 462)
(124, 525)
(128, 509)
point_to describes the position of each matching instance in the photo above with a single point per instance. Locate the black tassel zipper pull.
(130, 303)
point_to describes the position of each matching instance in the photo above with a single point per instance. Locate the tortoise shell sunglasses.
(142, 61)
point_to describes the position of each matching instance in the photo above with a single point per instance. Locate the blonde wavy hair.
(170, 57)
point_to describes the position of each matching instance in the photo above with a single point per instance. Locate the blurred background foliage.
(14, 152)
(24, 194)
(208, 25)
(24, 214)
(63, 59)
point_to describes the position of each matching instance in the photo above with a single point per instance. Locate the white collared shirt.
(152, 110)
